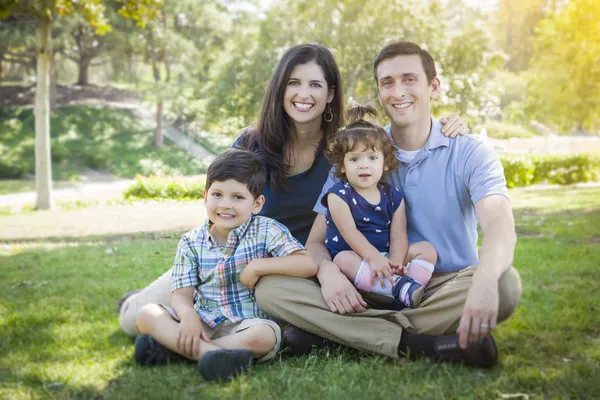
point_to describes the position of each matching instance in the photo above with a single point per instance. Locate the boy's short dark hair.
(241, 165)
(406, 49)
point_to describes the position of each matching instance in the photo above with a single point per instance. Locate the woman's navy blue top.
(294, 207)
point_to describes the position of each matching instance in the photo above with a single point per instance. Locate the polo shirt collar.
(436, 137)
(236, 234)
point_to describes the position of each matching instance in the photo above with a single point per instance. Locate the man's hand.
(480, 314)
(249, 275)
(381, 269)
(339, 293)
(189, 334)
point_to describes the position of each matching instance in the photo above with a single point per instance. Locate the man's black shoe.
(300, 342)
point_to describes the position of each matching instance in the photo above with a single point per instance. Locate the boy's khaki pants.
(300, 302)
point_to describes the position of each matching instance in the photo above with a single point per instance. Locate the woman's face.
(306, 94)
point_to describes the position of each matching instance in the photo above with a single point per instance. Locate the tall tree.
(564, 82)
(45, 11)
(515, 26)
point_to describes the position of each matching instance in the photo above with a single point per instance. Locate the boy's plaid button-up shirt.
(214, 270)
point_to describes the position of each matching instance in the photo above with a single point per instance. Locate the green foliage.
(518, 170)
(565, 71)
(515, 26)
(89, 137)
(567, 169)
(501, 130)
(160, 188)
(561, 169)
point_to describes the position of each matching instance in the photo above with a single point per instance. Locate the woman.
(302, 107)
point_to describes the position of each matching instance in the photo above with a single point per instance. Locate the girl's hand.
(189, 334)
(399, 269)
(454, 125)
(381, 269)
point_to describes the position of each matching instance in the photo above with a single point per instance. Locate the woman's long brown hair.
(274, 132)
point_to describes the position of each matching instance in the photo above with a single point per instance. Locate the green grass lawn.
(89, 137)
(59, 335)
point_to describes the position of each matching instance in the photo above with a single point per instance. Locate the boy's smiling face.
(229, 204)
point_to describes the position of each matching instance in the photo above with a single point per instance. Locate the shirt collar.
(436, 137)
(236, 234)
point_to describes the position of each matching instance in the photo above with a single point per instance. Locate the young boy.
(213, 317)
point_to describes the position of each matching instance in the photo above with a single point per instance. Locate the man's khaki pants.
(300, 302)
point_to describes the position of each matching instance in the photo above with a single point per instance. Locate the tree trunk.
(83, 76)
(158, 135)
(43, 166)
(53, 78)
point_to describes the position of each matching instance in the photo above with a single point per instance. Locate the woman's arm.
(338, 292)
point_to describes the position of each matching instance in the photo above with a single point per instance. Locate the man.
(448, 186)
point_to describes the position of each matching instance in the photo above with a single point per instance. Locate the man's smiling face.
(403, 90)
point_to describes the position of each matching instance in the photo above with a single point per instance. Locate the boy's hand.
(381, 268)
(249, 275)
(189, 334)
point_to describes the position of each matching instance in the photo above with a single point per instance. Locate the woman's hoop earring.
(328, 114)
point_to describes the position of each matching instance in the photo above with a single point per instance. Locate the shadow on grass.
(99, 239)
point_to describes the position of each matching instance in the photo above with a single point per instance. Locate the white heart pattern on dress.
(335, 239)
(377, 231)
(377, 208)
(366, 219)
(354, 201)
(342, 191)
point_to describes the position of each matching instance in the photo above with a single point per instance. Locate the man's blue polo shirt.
(442, 184)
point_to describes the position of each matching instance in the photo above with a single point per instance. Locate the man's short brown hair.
(406, 49)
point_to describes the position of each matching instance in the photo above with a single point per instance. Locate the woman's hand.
(454, 125)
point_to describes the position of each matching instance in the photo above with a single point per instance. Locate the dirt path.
(102, 221)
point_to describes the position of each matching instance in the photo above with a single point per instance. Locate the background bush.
(522, 170)
(157, 187)
(562, 169)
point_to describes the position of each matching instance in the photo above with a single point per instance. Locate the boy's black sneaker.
(149, 352)
(224, 364)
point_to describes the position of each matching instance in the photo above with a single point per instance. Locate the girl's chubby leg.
(349, 263)
(359, 273)
(420, 258)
